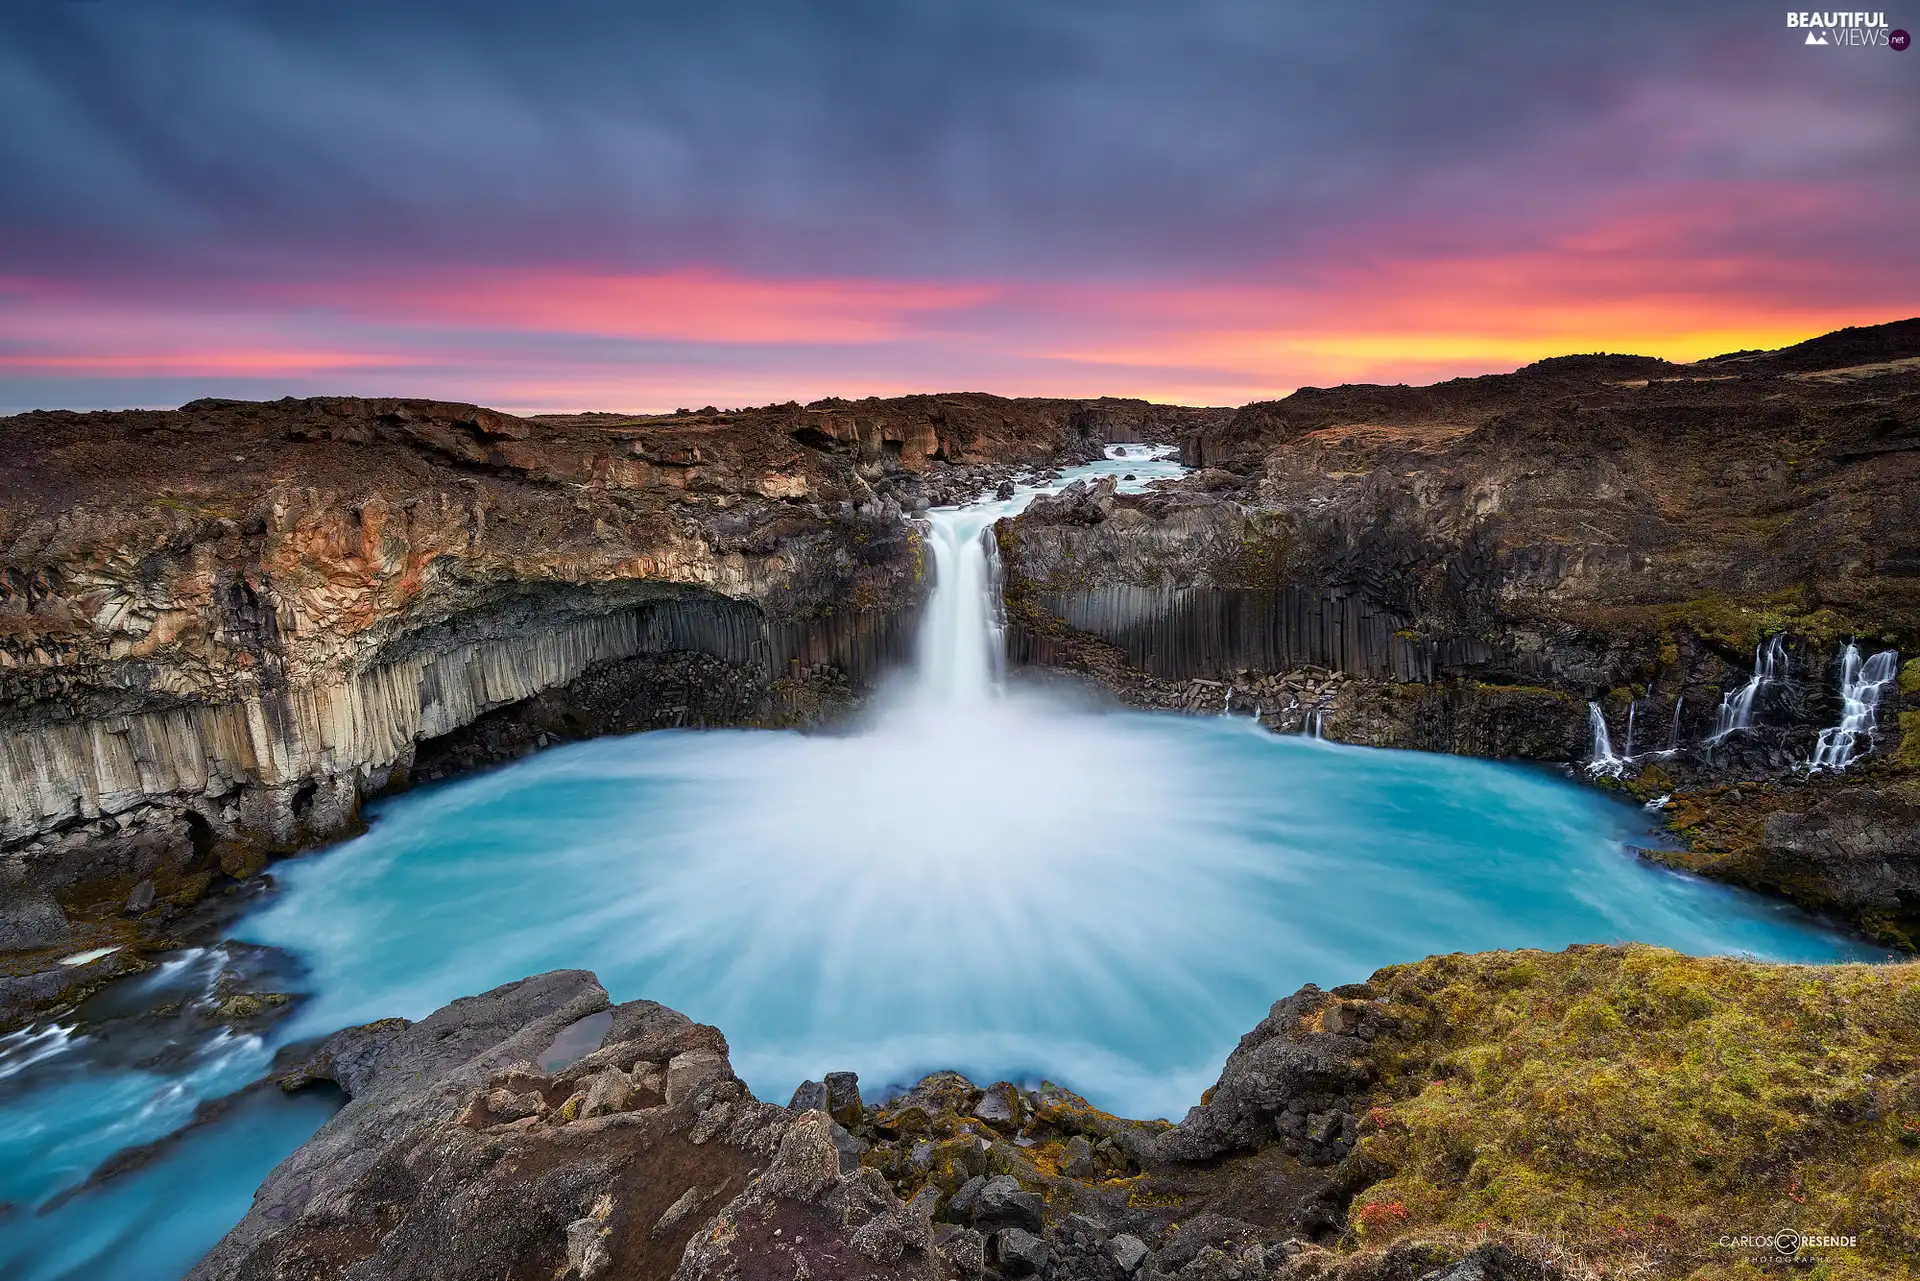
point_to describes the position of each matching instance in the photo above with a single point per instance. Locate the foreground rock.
(1527, 1116)
(535, 1132)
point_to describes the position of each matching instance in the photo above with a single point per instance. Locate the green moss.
(1733, 622)
(1910, 677)
(1669, 649)
(1907, 755)
(1636, 1105)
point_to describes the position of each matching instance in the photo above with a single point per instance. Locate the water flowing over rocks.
(1707, 561)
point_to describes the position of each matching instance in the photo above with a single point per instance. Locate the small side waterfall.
(1673, 730)
(1626, 750)
(1736, 709)
(1861, 684)
(1603, 760)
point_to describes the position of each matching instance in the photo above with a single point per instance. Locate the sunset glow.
(749, 242)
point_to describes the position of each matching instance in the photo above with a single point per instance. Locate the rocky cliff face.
(222, 627)
(1467, 567)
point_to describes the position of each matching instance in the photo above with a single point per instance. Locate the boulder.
(1282, 1072)
(843, 1097)
(1019, 1253)
(1002, 1203)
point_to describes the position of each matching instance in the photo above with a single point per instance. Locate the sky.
(640, 206)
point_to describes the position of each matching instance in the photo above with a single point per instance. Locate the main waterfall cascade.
(979, 879)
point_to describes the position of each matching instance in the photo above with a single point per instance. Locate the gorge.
(988, 853)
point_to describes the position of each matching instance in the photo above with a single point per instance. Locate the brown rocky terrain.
(1466, 567)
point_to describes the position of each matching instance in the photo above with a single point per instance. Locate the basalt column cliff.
(1702, 581)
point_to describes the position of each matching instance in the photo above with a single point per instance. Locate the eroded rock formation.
(1467, 567)
(223, 627)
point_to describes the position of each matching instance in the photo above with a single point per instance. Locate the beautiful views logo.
(1849, 30)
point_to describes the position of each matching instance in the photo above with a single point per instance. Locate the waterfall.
(1626, 751)
(1736, 709)
(1604, 761)
(962, 636)
(1673, 731)
(961, 653)
(1861, 684)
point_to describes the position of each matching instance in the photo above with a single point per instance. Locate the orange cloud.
(686, 306)
(1680, 273)
(210, 362)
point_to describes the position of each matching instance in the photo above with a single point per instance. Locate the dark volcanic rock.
(1282, 1082)
(460, 1156)
(1855, 851)
(536, 1132)
(1002, 1203)
(1467, 567)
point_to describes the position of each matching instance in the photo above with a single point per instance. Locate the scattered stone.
(809, 1095)
(686, 1073)
(843, 1097)
(1128, 1251)
(888, 1235)
(965, 1252)
(960, 1207)
(141, 899)
(1079, 1159)
(610, 1091)
(1019, 1253)
(1003, 1203)
(677, 1212)
(29, 918)
(505, 1105)
(587, 1248)
(1001, 1107)
(850, 1146)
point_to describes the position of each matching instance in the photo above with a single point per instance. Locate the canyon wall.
(223, 627)
(1477, 565)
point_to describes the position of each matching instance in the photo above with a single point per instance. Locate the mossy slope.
(1628, 1107)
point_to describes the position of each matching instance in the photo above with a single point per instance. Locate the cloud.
(1223, 195)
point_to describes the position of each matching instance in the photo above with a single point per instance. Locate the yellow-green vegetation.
(1630, 1107)
(1907, 756)
(1910, 677)
(1733, 622)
